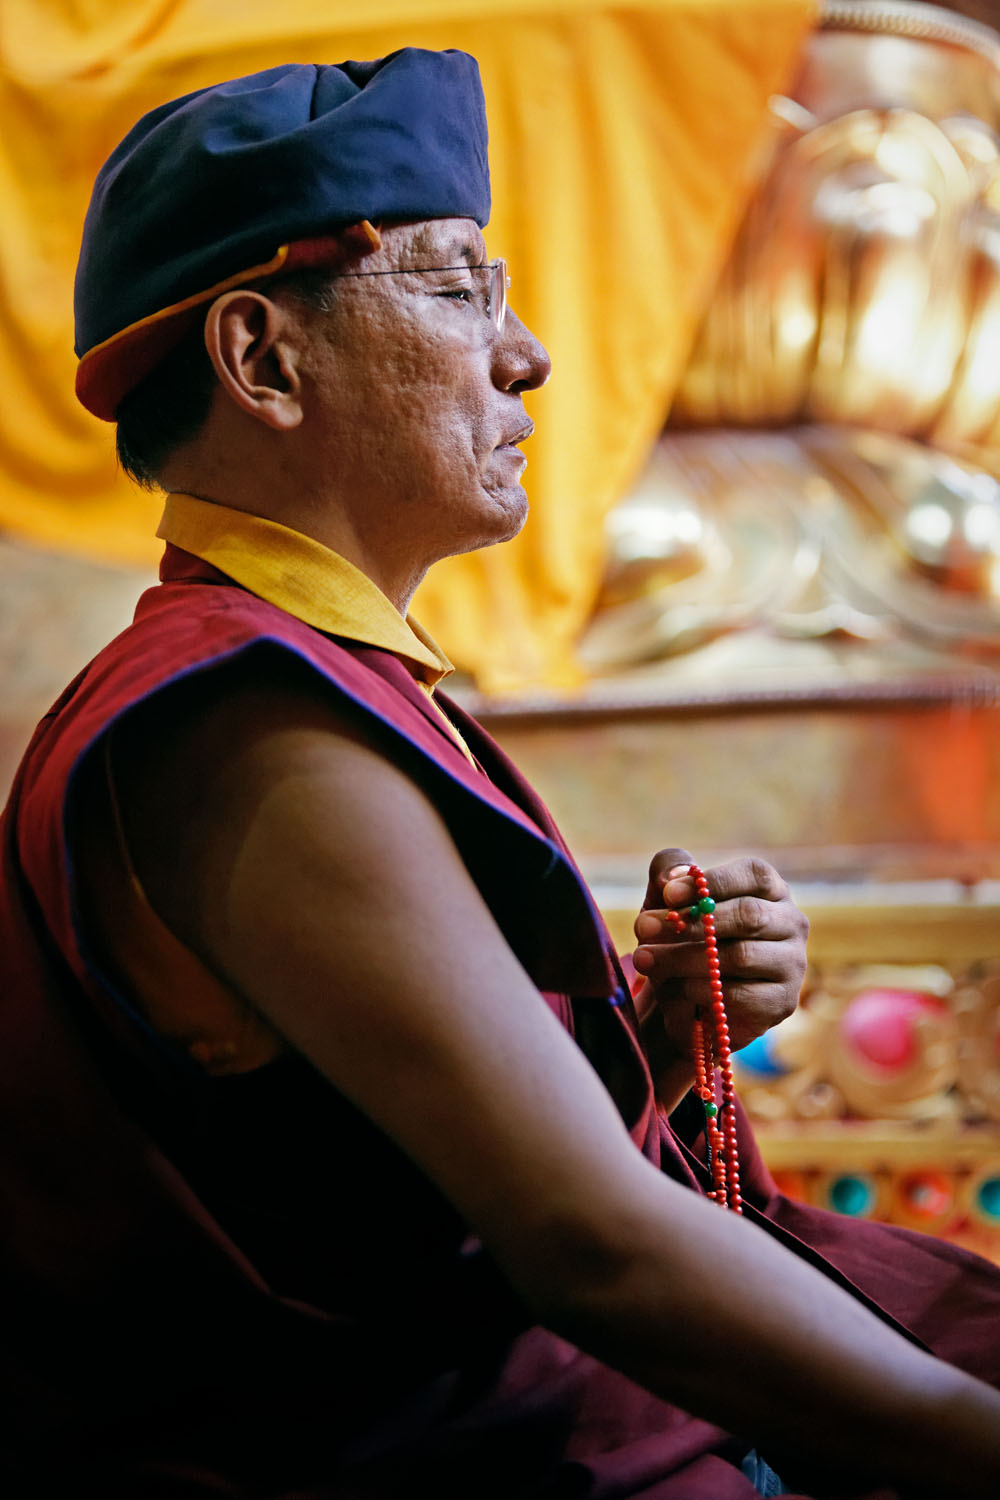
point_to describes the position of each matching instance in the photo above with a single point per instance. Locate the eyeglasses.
(488, 290)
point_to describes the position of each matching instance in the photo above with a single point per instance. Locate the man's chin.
(509, 511)
(492, 538)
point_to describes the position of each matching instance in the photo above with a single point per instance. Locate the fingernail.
(643, 959)
(679, 870)
(647, 926)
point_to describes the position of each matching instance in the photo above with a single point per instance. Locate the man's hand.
(762, 954)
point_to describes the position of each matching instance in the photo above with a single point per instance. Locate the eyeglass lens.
(491, 282)
(499, 282)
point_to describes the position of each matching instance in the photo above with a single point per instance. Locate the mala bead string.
(710, 1049)
(711, 1036)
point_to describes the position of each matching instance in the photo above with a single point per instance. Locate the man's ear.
(253, 348)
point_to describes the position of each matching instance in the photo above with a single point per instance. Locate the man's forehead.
(445, 242)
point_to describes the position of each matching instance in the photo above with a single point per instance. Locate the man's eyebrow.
(464, 250)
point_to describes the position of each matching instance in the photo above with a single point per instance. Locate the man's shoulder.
(181, 635)
(182, 629)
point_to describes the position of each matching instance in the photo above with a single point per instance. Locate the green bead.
(711, 1110)
(705, 905)
(694, 912)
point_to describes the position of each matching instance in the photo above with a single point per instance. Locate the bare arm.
(324, 885)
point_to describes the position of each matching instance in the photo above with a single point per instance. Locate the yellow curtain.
(622, 138)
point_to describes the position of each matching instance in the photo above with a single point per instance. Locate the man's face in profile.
(416, 394)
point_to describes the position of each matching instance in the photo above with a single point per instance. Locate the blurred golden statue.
(831, 465)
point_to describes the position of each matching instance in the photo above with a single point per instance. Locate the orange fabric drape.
(621, 141)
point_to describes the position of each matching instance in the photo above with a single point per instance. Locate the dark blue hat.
(223, 186)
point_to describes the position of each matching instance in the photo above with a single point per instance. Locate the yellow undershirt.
(307, 580)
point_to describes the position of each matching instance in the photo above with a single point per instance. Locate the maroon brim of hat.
(107, 373)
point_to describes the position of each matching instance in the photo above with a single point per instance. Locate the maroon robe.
(238, 1286)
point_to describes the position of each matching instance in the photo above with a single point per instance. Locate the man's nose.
(520, 361)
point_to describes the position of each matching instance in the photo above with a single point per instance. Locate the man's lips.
(518, 436)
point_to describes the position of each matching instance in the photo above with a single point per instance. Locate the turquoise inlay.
(988, 1198)
(854, 1196)
(759, 1057)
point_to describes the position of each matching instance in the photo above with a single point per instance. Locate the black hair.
(167, 408)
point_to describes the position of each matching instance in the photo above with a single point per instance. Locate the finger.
(659, 868)
(663, 926)
(782, 960)
(749, 919)
(749, 876)
(659, 961)
(677, 921)
(740, 919)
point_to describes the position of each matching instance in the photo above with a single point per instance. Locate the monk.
(339, 1160)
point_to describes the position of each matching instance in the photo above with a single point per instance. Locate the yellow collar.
(302, 577)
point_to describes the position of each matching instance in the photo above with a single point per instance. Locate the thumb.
(660, 866)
